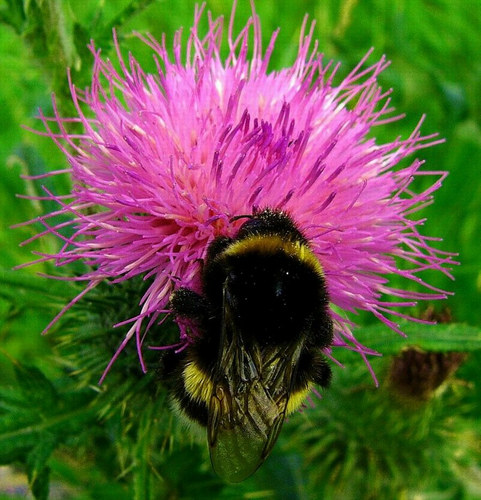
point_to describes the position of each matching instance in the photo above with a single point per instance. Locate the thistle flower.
(166, 161)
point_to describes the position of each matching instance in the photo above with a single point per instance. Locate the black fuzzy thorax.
(273, 296)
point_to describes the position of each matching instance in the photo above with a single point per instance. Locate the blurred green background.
(348, 446)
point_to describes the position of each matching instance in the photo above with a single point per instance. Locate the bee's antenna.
(237, 217)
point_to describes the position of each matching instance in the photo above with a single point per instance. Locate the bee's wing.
(248, 402)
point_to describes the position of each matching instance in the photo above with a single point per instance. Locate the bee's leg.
(321, 373)
(169, 366)
(191, 312)
(312, 367)
(186, 303)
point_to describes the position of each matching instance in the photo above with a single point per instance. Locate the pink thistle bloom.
(166, 160)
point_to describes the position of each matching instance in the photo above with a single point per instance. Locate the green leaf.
(40, 485)
(49, 33)
(28, 291)
(443, 337)
(14, 15)
(38, 418)
(31, 163)
(17, 435)
(35, 284)
(38, 471)
(142, 475)
(36, 389)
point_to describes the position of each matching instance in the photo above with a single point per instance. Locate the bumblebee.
(261, 322)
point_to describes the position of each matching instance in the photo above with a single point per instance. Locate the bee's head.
(269, 222)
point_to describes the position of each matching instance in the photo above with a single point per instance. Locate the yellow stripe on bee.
(199, 386)
(296, 399)
(197, 383)
(272, 244)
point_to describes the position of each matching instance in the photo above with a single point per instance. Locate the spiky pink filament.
(168, 160)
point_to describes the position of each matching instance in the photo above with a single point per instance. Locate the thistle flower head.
(167, 160)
